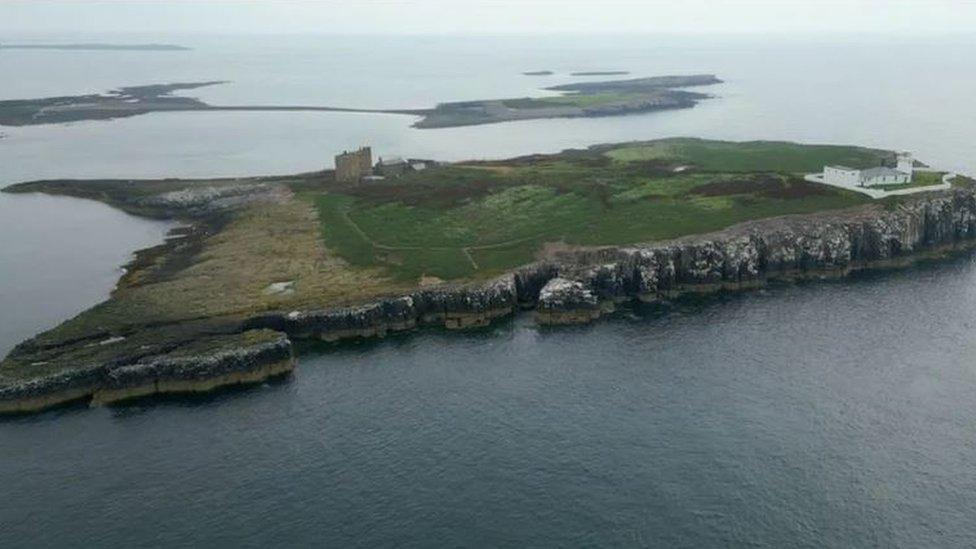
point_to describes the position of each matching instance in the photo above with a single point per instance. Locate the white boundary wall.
(878, 193)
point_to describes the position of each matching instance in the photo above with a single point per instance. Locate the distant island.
(578, 100)
(96, 47)
(264, 261)
(585, 99)
(599, 73)
(538, 73)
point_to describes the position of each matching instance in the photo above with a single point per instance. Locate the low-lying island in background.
(266, 260)
(587, 99)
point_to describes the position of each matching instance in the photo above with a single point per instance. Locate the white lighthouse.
(906, 164)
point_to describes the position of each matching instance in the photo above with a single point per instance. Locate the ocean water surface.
(823, 415)
(831, 414)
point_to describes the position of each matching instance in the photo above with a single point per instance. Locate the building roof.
(391, 160)
(845, 168)
(871, 173)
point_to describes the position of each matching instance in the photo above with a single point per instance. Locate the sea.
(828, 414)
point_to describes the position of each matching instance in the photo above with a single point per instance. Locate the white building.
(853, 177)
(906, 163)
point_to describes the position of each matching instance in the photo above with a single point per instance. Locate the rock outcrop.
(247, 358)
(193, 202)
(793, 247)
(458, 307)
(563, 301)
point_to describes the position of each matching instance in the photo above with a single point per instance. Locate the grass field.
(478, 219)
(573, 99)
(751, 156)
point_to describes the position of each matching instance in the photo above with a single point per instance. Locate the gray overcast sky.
(487, 16)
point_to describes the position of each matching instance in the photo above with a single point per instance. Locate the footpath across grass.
(478, 219)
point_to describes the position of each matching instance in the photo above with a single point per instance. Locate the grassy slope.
(483, 218)
(574, 99)
(750, 156)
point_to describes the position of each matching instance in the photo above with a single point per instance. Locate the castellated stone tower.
(350, 167)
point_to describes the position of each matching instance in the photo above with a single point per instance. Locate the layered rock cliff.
(577, 285)
(749, 254)
(198, 367)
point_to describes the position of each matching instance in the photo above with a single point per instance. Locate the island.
(538, 73)
(590, 99)
(123, 102)
(585, 99)
(599, 73)
(262, 262)
(95, 47)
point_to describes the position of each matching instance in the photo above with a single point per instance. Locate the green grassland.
(478, 219)
(749, 156)
(573, 99)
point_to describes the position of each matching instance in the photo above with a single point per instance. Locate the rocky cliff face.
(455, 307)
(747, 255)
(563, 301)
(245, 358)
(576, 286)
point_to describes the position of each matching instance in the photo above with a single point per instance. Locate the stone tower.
(350, 167)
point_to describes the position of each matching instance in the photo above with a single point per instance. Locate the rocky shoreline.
(579, 286)
(570, 287)
(252, 358)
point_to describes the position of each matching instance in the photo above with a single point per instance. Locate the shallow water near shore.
(835, 414)
(822, 414)
(60, 256)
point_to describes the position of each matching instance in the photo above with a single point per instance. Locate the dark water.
(835, 414)
(59, 256)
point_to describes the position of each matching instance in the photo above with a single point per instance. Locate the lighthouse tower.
(906, 164)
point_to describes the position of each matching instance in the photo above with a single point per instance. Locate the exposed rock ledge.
(563, 301)
(247, 358)
(571, 287)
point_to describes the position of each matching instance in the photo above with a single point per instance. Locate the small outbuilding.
(391, 166)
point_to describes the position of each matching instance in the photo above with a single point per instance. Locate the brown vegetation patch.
(590, 160)
(517, 162)
(419, 193)
(226, 272)
(654, 167)
(764, 185)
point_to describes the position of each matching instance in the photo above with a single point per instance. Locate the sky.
(25, 17)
